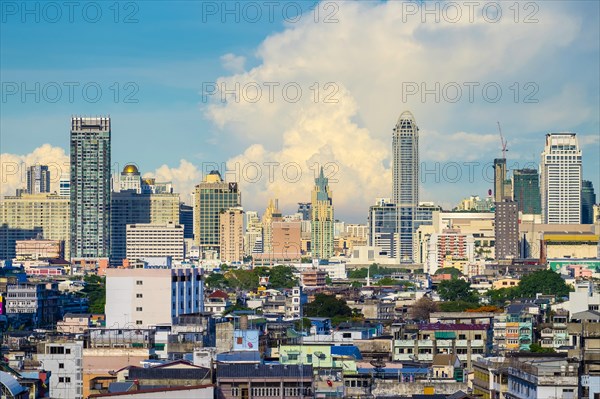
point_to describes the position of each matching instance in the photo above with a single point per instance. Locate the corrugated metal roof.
(264, 371)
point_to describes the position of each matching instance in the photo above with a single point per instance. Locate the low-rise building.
(64, 361)
(260, 380)
(421, 342)
(545, 376)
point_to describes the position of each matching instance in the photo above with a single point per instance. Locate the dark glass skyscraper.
(588, 199)
(90, 187)
(526, 191)
(405, 170)
(38, 179)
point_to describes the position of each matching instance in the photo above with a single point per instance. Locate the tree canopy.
(327, 306)
(457, 290)
(545, 282)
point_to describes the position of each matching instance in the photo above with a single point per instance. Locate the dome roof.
(130, 169)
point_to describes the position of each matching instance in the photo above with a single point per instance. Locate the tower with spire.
(321, 219)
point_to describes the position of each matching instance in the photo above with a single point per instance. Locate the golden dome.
(130, 169)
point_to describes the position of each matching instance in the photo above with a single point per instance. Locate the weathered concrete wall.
(388, 388)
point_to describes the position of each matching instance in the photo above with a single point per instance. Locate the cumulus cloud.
(233, 63)
(184, 177)
(13, 167)
(354, 82)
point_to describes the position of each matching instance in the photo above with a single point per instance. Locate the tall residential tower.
(560, 185)
(405, 148)
(90, 187)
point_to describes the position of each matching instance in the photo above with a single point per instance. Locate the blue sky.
(372, 53)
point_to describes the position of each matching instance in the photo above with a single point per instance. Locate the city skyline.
(175, 122)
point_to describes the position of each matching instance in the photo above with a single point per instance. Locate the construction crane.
(502, 141)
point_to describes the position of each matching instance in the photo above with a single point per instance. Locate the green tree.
(282, 277)
(95, 291)
(537, 348)
(500, 296)
(327, 306)
(449, 270)
(457, 290)
(545, 282)
(216, 281)
(358, 273)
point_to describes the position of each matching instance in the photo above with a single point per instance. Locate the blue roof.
(346, 351)
(11, 383)
(241, 356)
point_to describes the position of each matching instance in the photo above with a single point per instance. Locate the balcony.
(405, 343)
(443, 343)
(425, 343)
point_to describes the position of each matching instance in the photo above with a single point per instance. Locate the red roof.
(219, 294)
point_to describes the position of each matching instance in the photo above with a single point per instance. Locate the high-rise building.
(405, 170)
(526, 191)
(321, 219)
(129, 207)
(186, 218)
(560, 176)
(64, 186)
(506, 225)
(304, 210)
(33, 216)
(38, 179)
(90, 187)
(129, 179)
(271, 213)
(449, 248)
(253, 235)
(231, 225)
(499, 179)
(145, 240)
(211, 197)
(588, 199)
(383, 231)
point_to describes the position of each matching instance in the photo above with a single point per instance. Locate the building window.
(139, 282)
(138, 309)
(139, 295)
(309, 358)
(61, 365)
(293, 356)
(138, 322)
(477, 336)
(68, 351)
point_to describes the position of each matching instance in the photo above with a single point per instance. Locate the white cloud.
(184, 178)
(233, 63)
(370, 56)
(13, 167)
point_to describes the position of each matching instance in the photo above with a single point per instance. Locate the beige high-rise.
(231, 234)
(33, 216)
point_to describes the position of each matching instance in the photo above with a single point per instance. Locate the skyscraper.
(211, 197)
(321, 219)
(506, 226)
(499, 179)
(382, 222)
(526, 191)
(231, 224)
(271, 213)
(90, 187)
(405, 170)
(588, 199)
(304, 210)
(38, 179)
(560, 171)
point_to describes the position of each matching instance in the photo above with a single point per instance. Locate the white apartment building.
(63, 360)
(560, 179)
(146, 240)
(140, 298)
